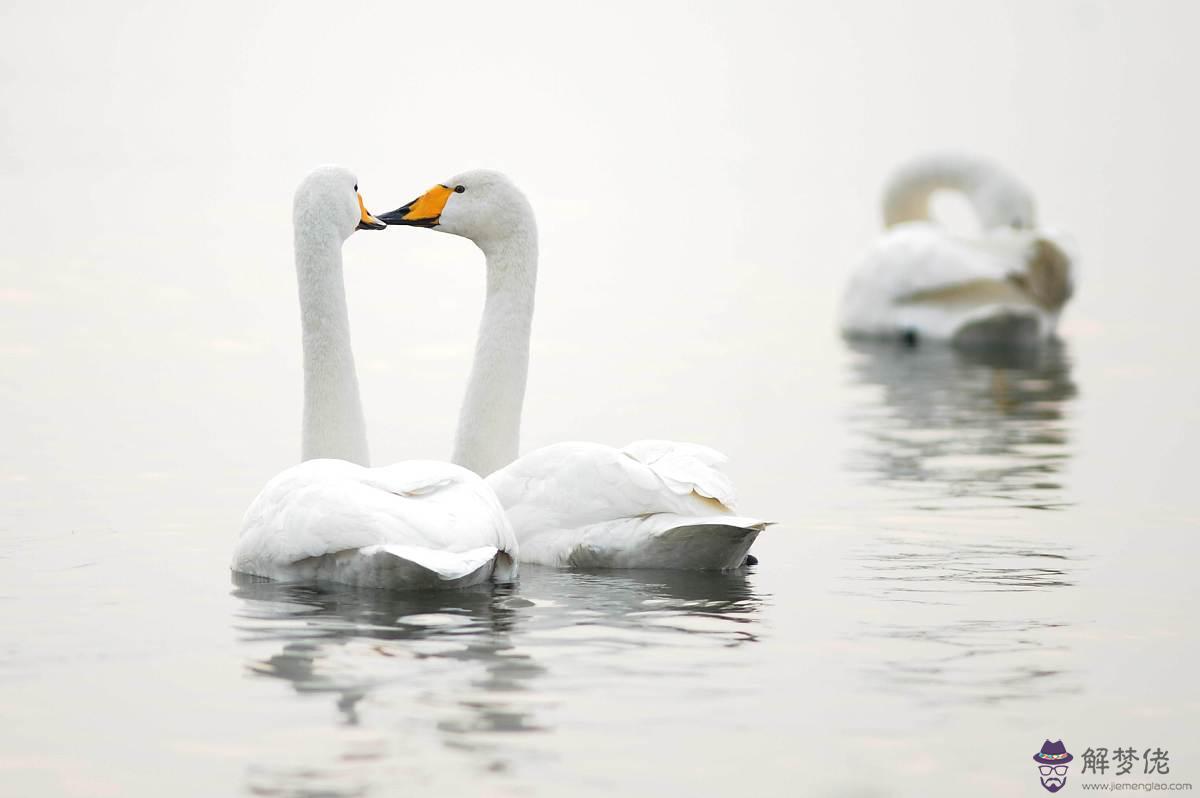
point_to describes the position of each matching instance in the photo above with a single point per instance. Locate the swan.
(415, 524)
(651, 504)
(1005, 286)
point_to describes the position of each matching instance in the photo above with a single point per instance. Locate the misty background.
(704, 177)
(970, 554)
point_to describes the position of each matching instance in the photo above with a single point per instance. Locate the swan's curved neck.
(908, 193)
(489, 424)
(333, 416)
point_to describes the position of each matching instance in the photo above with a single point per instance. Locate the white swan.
(655, 504)
(1005, 286)
(415, 524)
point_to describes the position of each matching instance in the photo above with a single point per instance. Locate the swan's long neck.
(333, 416)
(910, 189)
(489, 424)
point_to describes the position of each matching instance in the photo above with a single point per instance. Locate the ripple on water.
(954, 597)
(944, 426)
(483, 672)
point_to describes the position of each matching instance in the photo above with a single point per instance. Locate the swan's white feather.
(667, 540)
(586, 504)
(920, 278)
(686, 467)
(652, 504)
(412, 524)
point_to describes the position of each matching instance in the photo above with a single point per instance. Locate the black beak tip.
(394, 217)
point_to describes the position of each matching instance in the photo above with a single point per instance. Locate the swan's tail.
(666, 540)
(395, 567)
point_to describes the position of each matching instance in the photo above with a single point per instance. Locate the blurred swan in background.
(652, 504)
(1004, 286)
(415, 524)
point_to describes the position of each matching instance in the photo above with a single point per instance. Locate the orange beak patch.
(424, 211)
(429, 205)
(366, 221)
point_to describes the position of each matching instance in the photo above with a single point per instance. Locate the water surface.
(954, 587)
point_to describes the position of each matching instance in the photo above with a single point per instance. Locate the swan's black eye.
(356, 186)
(459, 189)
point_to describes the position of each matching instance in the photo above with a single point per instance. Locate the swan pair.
(424, 524)
(1003, 287)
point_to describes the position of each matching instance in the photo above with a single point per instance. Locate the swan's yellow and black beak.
(366, 221)
(424, 211)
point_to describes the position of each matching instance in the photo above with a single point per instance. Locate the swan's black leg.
(909, 337)
(750, 560)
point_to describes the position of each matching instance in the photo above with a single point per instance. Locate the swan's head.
(1003, 201)
(481, 205)
(328, 198)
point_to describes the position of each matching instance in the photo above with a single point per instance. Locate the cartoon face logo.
(1052, 765)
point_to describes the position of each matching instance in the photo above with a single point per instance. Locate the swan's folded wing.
(686, 467)
(324, 507)
(656, 504)
(916, 261)
(573, 485)
(918, 271)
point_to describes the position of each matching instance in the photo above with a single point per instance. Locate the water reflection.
(353, 643)
(640, 605)
(963, 435)
(471, 667)
(319, 623)
(963, 429)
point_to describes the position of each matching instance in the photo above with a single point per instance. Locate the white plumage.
(410, 525)
(653, 504)
(416, 524)
(1005, 286)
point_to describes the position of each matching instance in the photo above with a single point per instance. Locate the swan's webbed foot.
(909, 337)
(750, 560)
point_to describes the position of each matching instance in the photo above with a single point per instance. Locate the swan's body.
(1005, 286)
(416, 524)
(653, 504)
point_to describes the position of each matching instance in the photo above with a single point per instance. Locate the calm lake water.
(963, 566)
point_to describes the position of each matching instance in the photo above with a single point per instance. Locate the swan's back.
(332, 519)
(575, 483)
(921, 282)
(658, 504)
